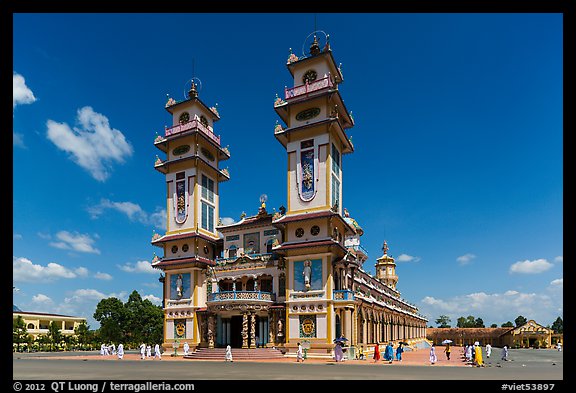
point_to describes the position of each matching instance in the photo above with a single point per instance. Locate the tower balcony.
(193, 125)
(305, 89)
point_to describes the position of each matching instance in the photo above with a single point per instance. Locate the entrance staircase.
(237, 354)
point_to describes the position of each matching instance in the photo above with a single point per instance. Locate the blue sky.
(458, 148)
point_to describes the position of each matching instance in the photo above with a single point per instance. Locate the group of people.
(107, 350)
(146, 351)
(388, 355)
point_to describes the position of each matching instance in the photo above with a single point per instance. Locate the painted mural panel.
(180, 286)
(252, 243)
(307, 326)
(180, 328)
(308, 275)
(307, 181)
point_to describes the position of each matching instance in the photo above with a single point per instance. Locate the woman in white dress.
(299, 354)
(228, 353)
(433, 357)
(186, 348)
(157, 353)
(120, 351)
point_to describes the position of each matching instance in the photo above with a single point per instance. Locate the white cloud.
(558, 283)
(81, 272)
(18, 140)
(559, 259)
(407, 258)
(530, 267)
(495, 307)
(465, 259)
(76, 242)
(132, 210)
(138, 267)
(21, 94)
(227, 220)
(24, 270)
(42, 299)
(16, 236)
(80, 296)
(103, 276)
(45, 236)
(154, 299)
(95, 146)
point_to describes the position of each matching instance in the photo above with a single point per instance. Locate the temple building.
(274, 279)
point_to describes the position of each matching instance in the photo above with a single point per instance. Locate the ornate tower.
(193, 153)
(386, 268)
(314, 230)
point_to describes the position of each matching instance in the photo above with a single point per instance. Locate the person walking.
(399, 351)
(157, 353)
(148, 351)
(478, 356)
(120, 351)
(505, 353)
(433, 357)
(228, 355)
(376, 353)
(488, 351)
(186, 348)
(299, 354)
(389, 353)
(559, 346)
(447, 351)
(142, 351)
(338, 352)
(469, 349)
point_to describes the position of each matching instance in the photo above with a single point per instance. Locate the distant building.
(529, 335)
(37, 323)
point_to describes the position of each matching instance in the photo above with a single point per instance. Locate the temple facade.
(274, 279)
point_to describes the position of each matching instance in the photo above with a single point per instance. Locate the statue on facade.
(307, 273)
(179, 283)
(280, 325)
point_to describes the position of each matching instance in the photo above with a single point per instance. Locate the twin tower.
(219, 286)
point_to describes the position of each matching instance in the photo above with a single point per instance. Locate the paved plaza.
(524, 365)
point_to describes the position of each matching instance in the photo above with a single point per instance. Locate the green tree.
(558, 325)
(443, 321)
(507, 324)
(111, 314)
(19, 332)
(479, 323)
(468, 322)
(83, 334)
(520, 320)
(54, 334)
(493, 325)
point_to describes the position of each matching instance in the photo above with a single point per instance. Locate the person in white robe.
(142, 351)
(186, 348)
(112, 349)
(299, 354)
(433, 357)
(505, 353)
(102, 349)
(488, 350)
(120, 352)
(106, 350)
(149, 351)
(228, 355)
(469, 350)
(157, 353)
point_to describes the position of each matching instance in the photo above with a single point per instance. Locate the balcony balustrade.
(225, 296)
(343, 294)
(194, 124)
(307, 88)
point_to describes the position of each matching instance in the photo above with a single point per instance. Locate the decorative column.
(271, 325)
(253, 328)
(245, 330)
(211, 331)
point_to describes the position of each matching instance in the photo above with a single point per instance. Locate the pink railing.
(308, 88)
(189, 126)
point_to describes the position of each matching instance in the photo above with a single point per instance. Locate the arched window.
(30, 326)
(269, 245)
(232, 251)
